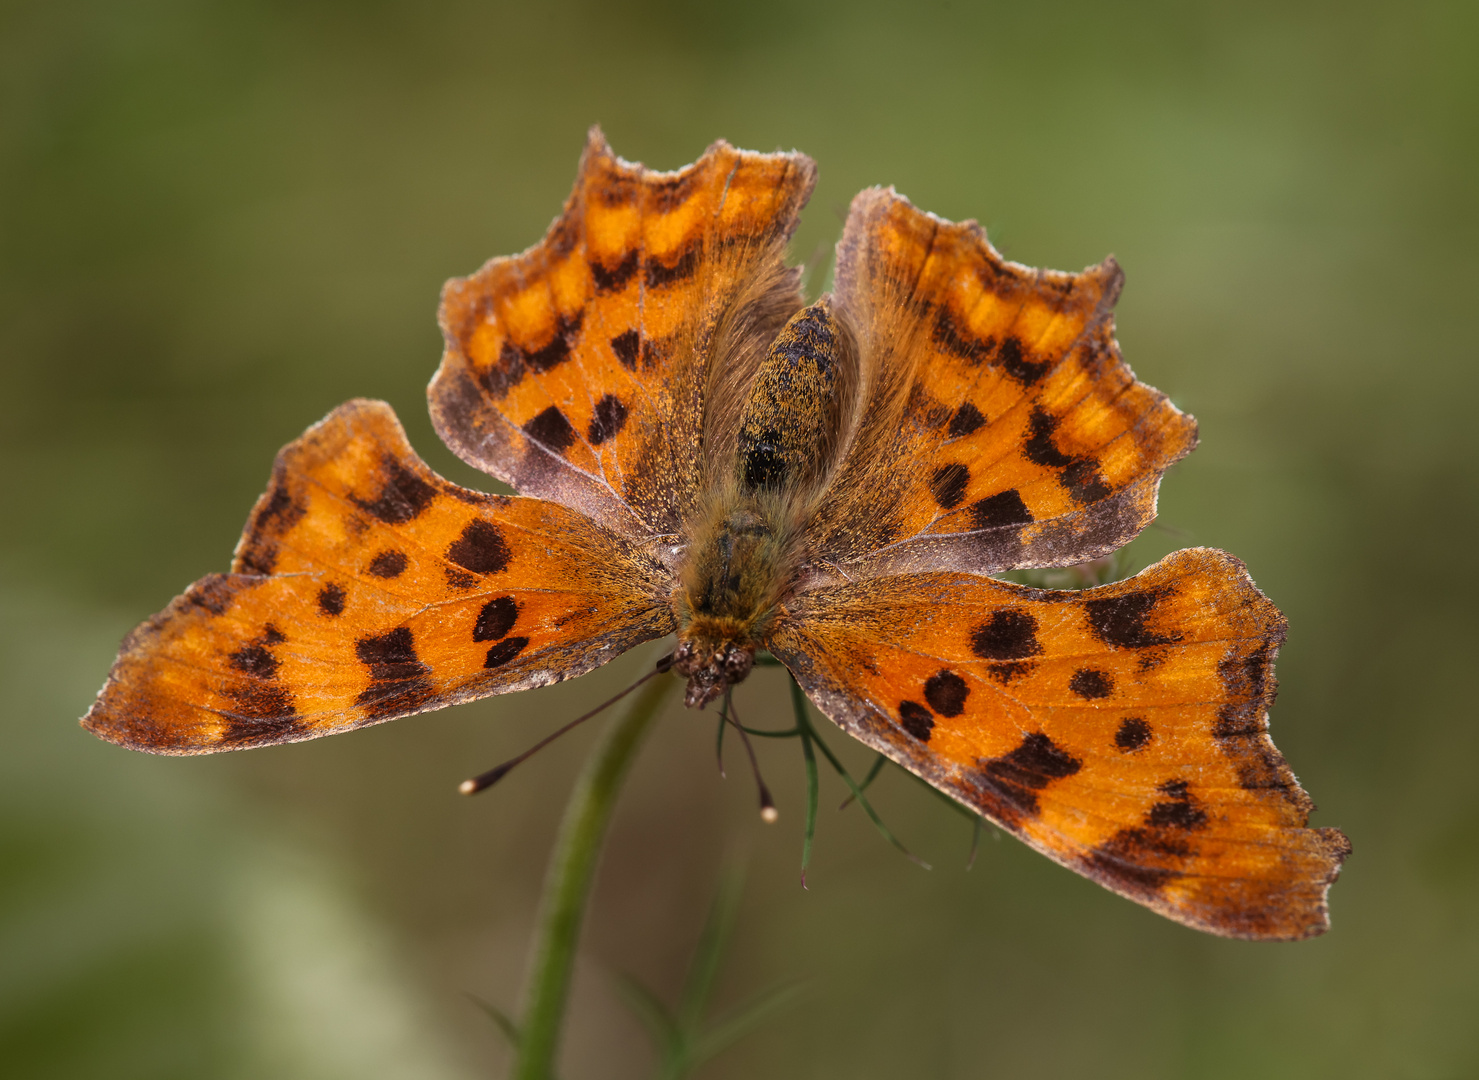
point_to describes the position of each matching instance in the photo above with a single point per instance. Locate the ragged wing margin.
(1000, 427)
(580, 371)
(365, 587)
(1122, 731)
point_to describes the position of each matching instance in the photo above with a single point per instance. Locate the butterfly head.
(711, 664)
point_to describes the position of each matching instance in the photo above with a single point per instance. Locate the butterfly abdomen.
(793, 414)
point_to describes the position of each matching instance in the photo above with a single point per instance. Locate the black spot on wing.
(1139, 861)
(627, 346)
(1000, 510)
(403, 494)
(946, 693)
(505, 651)
(615, 189)
(1005, 673)
(279, 514)
(496, 619)
(1247, 679)
(399, 682)
(609, 417)
(948, 484)
(655, 353)
(967, 419)
(505, 373)
(1133, 733)
(1179, 811)
(552, 430)
(558, 350)
(481, 548)
(615, 278)
(388, 564)
(1039, 447)
(916, 720)
(1008, 634)
(564, 234)
(1013, 360)
(660, 276)
(255, 659)
(948, 335)
(459, 579)
(1150, 659)
(391, 656)
(1084, 482)
(263, 712)
(670, 192)
(1079, 476)
(1017, 777)
(214, 592)
(1120, 620)
(331, 599)
(1089, 683)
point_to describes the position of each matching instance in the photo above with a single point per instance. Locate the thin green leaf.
(789, 733)
(741, 1021)
(719, 736)
(813, 793)
(805, 721)
(499, 1017)
(712, 942)
(877, 768)
(667, 1039)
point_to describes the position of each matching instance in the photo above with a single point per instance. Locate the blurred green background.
(217, 221)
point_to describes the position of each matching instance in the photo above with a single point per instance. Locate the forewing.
(1002, 429)
(365, 588)
(576, 371)
(1120, 730)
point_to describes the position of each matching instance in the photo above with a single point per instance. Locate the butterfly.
(700, 452)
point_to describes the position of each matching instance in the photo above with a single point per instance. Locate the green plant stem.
(567, 886)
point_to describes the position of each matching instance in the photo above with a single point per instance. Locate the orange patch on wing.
(575, 371)
(1022, 438)
(1120, 730)
(364, 588)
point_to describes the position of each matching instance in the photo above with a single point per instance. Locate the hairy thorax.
(736, 574)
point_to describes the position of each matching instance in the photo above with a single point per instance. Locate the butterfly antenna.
(768, 812)
(719, 736)
(483, 781)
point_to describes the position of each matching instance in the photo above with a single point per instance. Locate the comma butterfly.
(700, 452)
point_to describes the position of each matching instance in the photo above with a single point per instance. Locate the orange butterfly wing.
(1120, 730)
(1003, 430)
(578, 370)
(366, 587)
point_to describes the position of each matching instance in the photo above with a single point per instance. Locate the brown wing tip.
(122, 719)
(1332, 847)
(129, 710)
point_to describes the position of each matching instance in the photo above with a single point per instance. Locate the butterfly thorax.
(744, 545)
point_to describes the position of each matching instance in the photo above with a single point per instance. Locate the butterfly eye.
(737, 663)
(684, 661)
